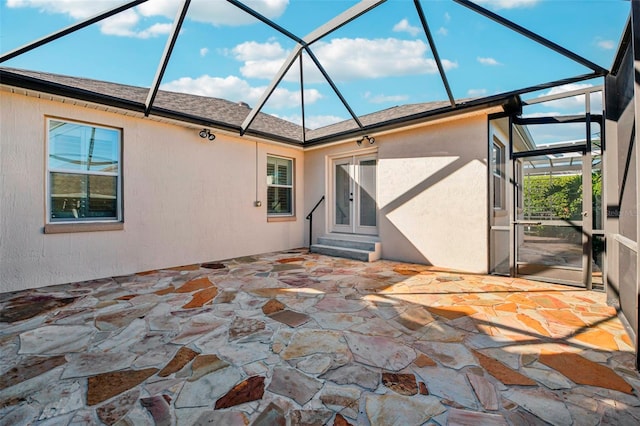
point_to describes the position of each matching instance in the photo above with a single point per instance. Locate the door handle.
(526, 222)
(351, 196)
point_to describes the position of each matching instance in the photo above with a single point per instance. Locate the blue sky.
(377, 61)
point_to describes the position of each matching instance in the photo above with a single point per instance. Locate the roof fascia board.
(41, 86)
(68, 30)
(407, 121)
(168, 48)
(532, 35)
(456, 114)
(26, 82)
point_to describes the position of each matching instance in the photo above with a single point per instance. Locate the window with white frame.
(499, 183)
(83, 172)
(279, 186)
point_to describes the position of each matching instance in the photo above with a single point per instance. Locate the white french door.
(354, 195)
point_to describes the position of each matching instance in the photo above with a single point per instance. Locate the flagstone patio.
(302, 339)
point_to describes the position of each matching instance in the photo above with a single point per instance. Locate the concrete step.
(349, 253)
(359, 247)
(353, 244)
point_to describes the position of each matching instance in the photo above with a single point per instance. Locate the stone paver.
(298, 338)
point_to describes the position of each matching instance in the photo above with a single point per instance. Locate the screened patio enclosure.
(546, 191)
(299, 65)
(562, 202)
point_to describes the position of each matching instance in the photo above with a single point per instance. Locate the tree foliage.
(555, 197)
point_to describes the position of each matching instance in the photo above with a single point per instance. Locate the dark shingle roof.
(227, 115)
(386, 115)
(214, 110)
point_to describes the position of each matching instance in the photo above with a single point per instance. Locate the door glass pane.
(343, 194)
(367, 193)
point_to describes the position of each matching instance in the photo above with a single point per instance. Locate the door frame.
(497, 250)
(354, 228)
(585, 224)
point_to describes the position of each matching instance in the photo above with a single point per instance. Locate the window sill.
(63, 228)
(281, 218)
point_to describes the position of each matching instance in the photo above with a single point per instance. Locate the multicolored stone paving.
(300, 339)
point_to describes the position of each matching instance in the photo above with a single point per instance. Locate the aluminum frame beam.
(269, 90)
(558, 119)
(304, 127)
(531, 35)
(266, 20)
(550, 151)
(345, 17)
(561, 95)
(68, 30)
(434, 50)
(334, 87)
(166, 55)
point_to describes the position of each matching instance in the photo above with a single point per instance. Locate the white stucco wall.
(432, 192)
(186, 200)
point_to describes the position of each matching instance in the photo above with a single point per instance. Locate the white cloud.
(261, 60)
(405, 26)
(476, 93)
(254, 51)
(508, 4)
(74, 8)
(204, 51)
(381, 99)
(348, 59)
(237, 89)
(443, 31)
(606, 44)
(488, 61)
(447, 17)
(345, 59)
(124, 24)
(155, 30)
(312, 121)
